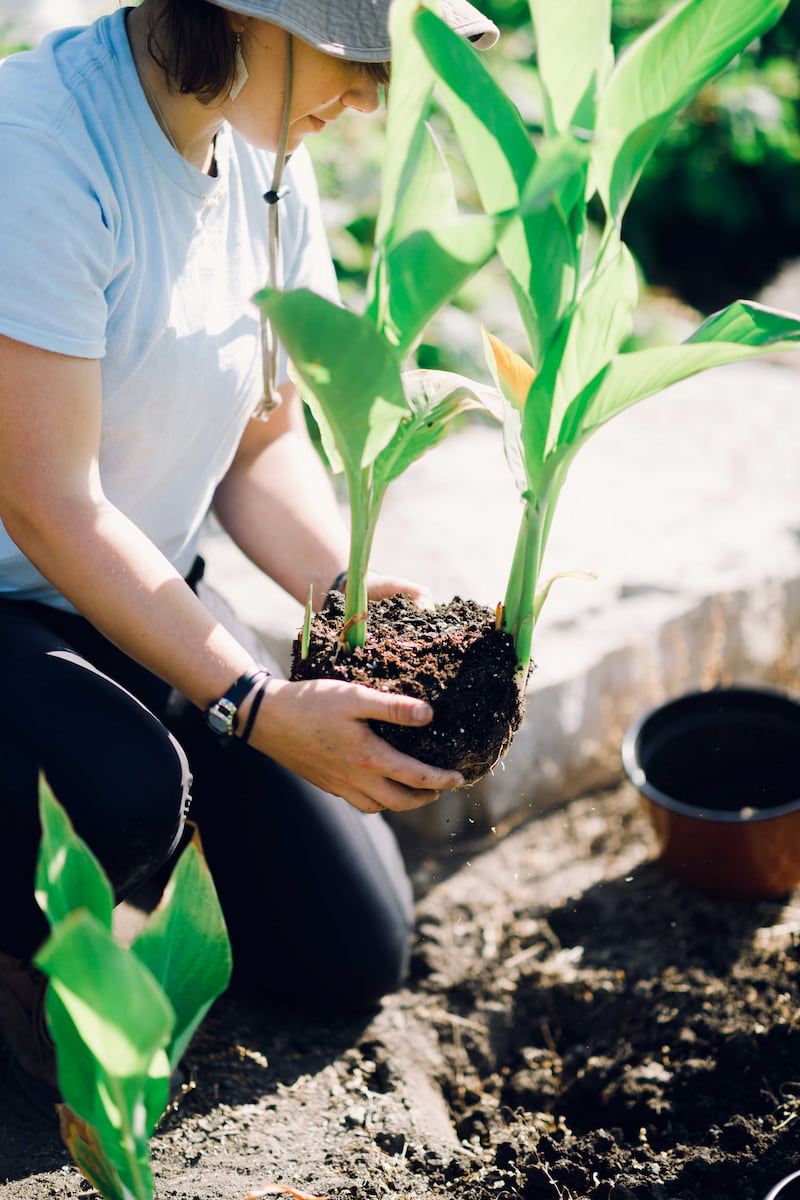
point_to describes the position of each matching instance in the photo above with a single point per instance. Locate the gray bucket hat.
(357, 29)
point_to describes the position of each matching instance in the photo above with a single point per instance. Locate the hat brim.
(358, 30)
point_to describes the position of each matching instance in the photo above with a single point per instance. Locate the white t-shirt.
(113, 247)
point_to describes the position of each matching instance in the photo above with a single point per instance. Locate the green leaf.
(572, 432)
(748, 324)
(420, 274)
(559, 163)
(544, 591)
(110, 1021)
(538, 251)
(68, 876)
(308, 612)
(658, 75)
(537, 414)
(117, 1007)
(84, 1073)
(491, 131)
(184, 943)
(574, 57)
(428, 195)
(632, 377)
(434, 399)
(350, 374)
(110, 1018)
(88, 1151)
(430, 250)
(601, 324)
(408, 103)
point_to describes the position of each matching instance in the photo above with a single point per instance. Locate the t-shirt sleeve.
(57, 248)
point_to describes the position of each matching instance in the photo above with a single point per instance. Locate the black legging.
(315, 894)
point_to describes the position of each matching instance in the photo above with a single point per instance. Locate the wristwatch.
(221, 716)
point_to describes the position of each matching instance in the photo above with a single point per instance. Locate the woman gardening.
(137, 157)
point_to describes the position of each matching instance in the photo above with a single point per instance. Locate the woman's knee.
(325, 965)
(122, 778)
(359, 981)
(127, 793)
(140, 832)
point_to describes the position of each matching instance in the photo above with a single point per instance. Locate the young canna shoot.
(375, 419)
(576, 304)
(121, 1017)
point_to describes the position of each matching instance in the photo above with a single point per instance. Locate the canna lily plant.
(375, 418)
(577, 304)
(121, 1017)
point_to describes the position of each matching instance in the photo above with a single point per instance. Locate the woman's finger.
(382, 587)
(373, 705)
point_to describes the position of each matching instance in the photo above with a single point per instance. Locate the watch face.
(220, 716)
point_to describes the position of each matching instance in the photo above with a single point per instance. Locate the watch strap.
(254, 707)
(221, 715)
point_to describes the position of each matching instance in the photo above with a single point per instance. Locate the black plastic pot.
(719, 773)
(787, 1189)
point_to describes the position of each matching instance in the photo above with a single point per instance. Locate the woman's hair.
(193, 42)
(196, 47)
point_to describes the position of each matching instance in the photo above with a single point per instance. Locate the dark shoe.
(24, 1030)
(30, 1052)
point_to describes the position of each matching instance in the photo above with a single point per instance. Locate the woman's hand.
(318, 729)
(382, 587)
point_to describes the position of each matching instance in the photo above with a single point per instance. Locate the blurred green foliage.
(718, 209)
(8, 44)
(347, 159)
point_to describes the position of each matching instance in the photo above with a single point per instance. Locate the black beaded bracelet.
(254, 707)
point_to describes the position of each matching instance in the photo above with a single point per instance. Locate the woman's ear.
(236, 21)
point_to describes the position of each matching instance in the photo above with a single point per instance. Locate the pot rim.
(774, 1193)
(636, 773)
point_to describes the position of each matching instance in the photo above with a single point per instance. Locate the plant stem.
(521, 593)
(365, 503)
(135, 1151)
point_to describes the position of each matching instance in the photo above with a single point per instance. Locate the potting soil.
(453, 656)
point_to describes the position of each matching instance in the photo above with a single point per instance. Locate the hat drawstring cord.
(269, 343)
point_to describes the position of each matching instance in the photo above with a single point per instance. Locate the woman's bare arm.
(278, 505)
(54, 508)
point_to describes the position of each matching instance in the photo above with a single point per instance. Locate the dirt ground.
(576, 1026)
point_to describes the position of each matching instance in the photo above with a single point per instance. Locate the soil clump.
(576, 1026)
(453, 657)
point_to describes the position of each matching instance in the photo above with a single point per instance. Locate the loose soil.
(452, 656)
(577, 1026)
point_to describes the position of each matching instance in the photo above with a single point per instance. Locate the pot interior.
(787, 1189)
(723, 751)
